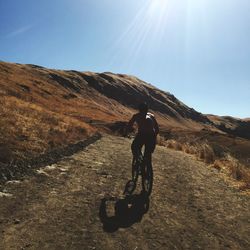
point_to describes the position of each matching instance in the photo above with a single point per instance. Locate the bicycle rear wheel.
(135, 169)
(147, 178)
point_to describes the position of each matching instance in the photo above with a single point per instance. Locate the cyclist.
(148, 130)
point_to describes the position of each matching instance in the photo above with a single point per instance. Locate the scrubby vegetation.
(28, 129)
(217, 156)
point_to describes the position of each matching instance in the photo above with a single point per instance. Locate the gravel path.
(77, 203)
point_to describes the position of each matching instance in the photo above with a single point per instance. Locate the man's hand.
(125, 132)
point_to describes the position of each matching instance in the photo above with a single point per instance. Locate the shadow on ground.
(117, 213)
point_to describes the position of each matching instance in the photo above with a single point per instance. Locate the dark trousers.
(149, 140)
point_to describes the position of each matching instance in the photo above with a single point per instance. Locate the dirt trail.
(62, 206)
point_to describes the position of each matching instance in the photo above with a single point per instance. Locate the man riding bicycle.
(148, 130)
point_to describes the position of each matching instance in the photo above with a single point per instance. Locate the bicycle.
(141, 166)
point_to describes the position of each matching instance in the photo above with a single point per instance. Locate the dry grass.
(203, 151)
(174, 145)
(233, 168)
(38, 114)
(28, 129)
(206, 153)
(161, 141)
(222, 161)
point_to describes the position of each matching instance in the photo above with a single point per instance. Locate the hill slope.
(42, 109)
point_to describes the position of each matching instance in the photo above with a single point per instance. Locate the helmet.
(143, 107)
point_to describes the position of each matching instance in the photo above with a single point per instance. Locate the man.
(148, 130)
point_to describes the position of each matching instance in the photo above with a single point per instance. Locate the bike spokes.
(135, 168)
(147, 179)
(140, 167)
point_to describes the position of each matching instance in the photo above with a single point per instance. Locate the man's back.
(146, 123)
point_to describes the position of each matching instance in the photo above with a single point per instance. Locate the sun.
(159, 3)
(157, 6)
(146, 31)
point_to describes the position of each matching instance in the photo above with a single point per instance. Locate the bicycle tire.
(135, 170)
(147, 178)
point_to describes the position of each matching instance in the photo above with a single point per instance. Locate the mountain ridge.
(44, 109)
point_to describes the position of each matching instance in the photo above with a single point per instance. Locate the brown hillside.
(231, 125)
(43, 108)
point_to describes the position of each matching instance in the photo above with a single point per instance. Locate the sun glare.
(145, 31)
(157, 13)
(157, 6)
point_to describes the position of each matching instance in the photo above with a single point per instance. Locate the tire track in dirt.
(59, 208)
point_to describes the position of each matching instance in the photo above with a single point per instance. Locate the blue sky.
(199, 50)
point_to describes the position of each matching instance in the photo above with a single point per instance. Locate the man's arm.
(156, 126)
(129, 125)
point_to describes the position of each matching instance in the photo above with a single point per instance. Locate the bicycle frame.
(140, 166)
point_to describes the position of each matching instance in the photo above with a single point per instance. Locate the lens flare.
(144, 32)
(157, 6)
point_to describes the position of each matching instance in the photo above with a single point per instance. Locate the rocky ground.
(77, 203)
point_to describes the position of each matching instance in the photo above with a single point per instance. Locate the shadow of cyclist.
(127, 211)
